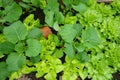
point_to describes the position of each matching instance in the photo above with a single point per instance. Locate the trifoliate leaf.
(68, 33)
(3, 71)
(34, 48)
(69, 50)
(6, 47)
(13, 12)
(15, 32)
(15, 61)
(90, 37)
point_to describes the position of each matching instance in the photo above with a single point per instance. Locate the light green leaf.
(30, 22)
(27, 70)
(90, 37)
(15, 61)
(15, 32)
(3, 71)
(50, 76)
(2, 38)
(34, 48)
(6, 47)
(58, 53)
(13, 12)
(67, 33)
(69, 50)
(70, 19)
(56, 26)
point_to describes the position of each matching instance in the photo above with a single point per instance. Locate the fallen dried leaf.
(46, 31)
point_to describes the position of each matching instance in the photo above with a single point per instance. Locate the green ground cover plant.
(83, 43)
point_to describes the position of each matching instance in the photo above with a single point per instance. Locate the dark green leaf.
(1, 3)
(68, 33)
(3, 71)
(82, 56)
(34, 48)
(59, 17)
(78, 28)
(27, 1)
(6, 3)
(34, 33)
(26, 6)
(69, 50)
(80, 8)
(90, 37)
(13, 12)
(35, 59)
(52, 5)
(6, 47)
(19, 47)
(15, 32)
(35, 2)
(15, 61)
(49, 17)
(80, 47)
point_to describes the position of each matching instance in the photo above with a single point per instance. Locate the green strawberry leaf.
(90, 37)
(59, 17)
(69, 50)
(15, 61)
(78, 28)
(80, 47)
(6, 47)
(82, 56)
(15, 32)
(3, 71)
(68, 33)
(13, 12)
(49, 17)
(80, 8)
(34, 33)
(34, 48)
(19, 47)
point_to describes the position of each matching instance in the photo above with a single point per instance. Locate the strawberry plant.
(59, 39)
